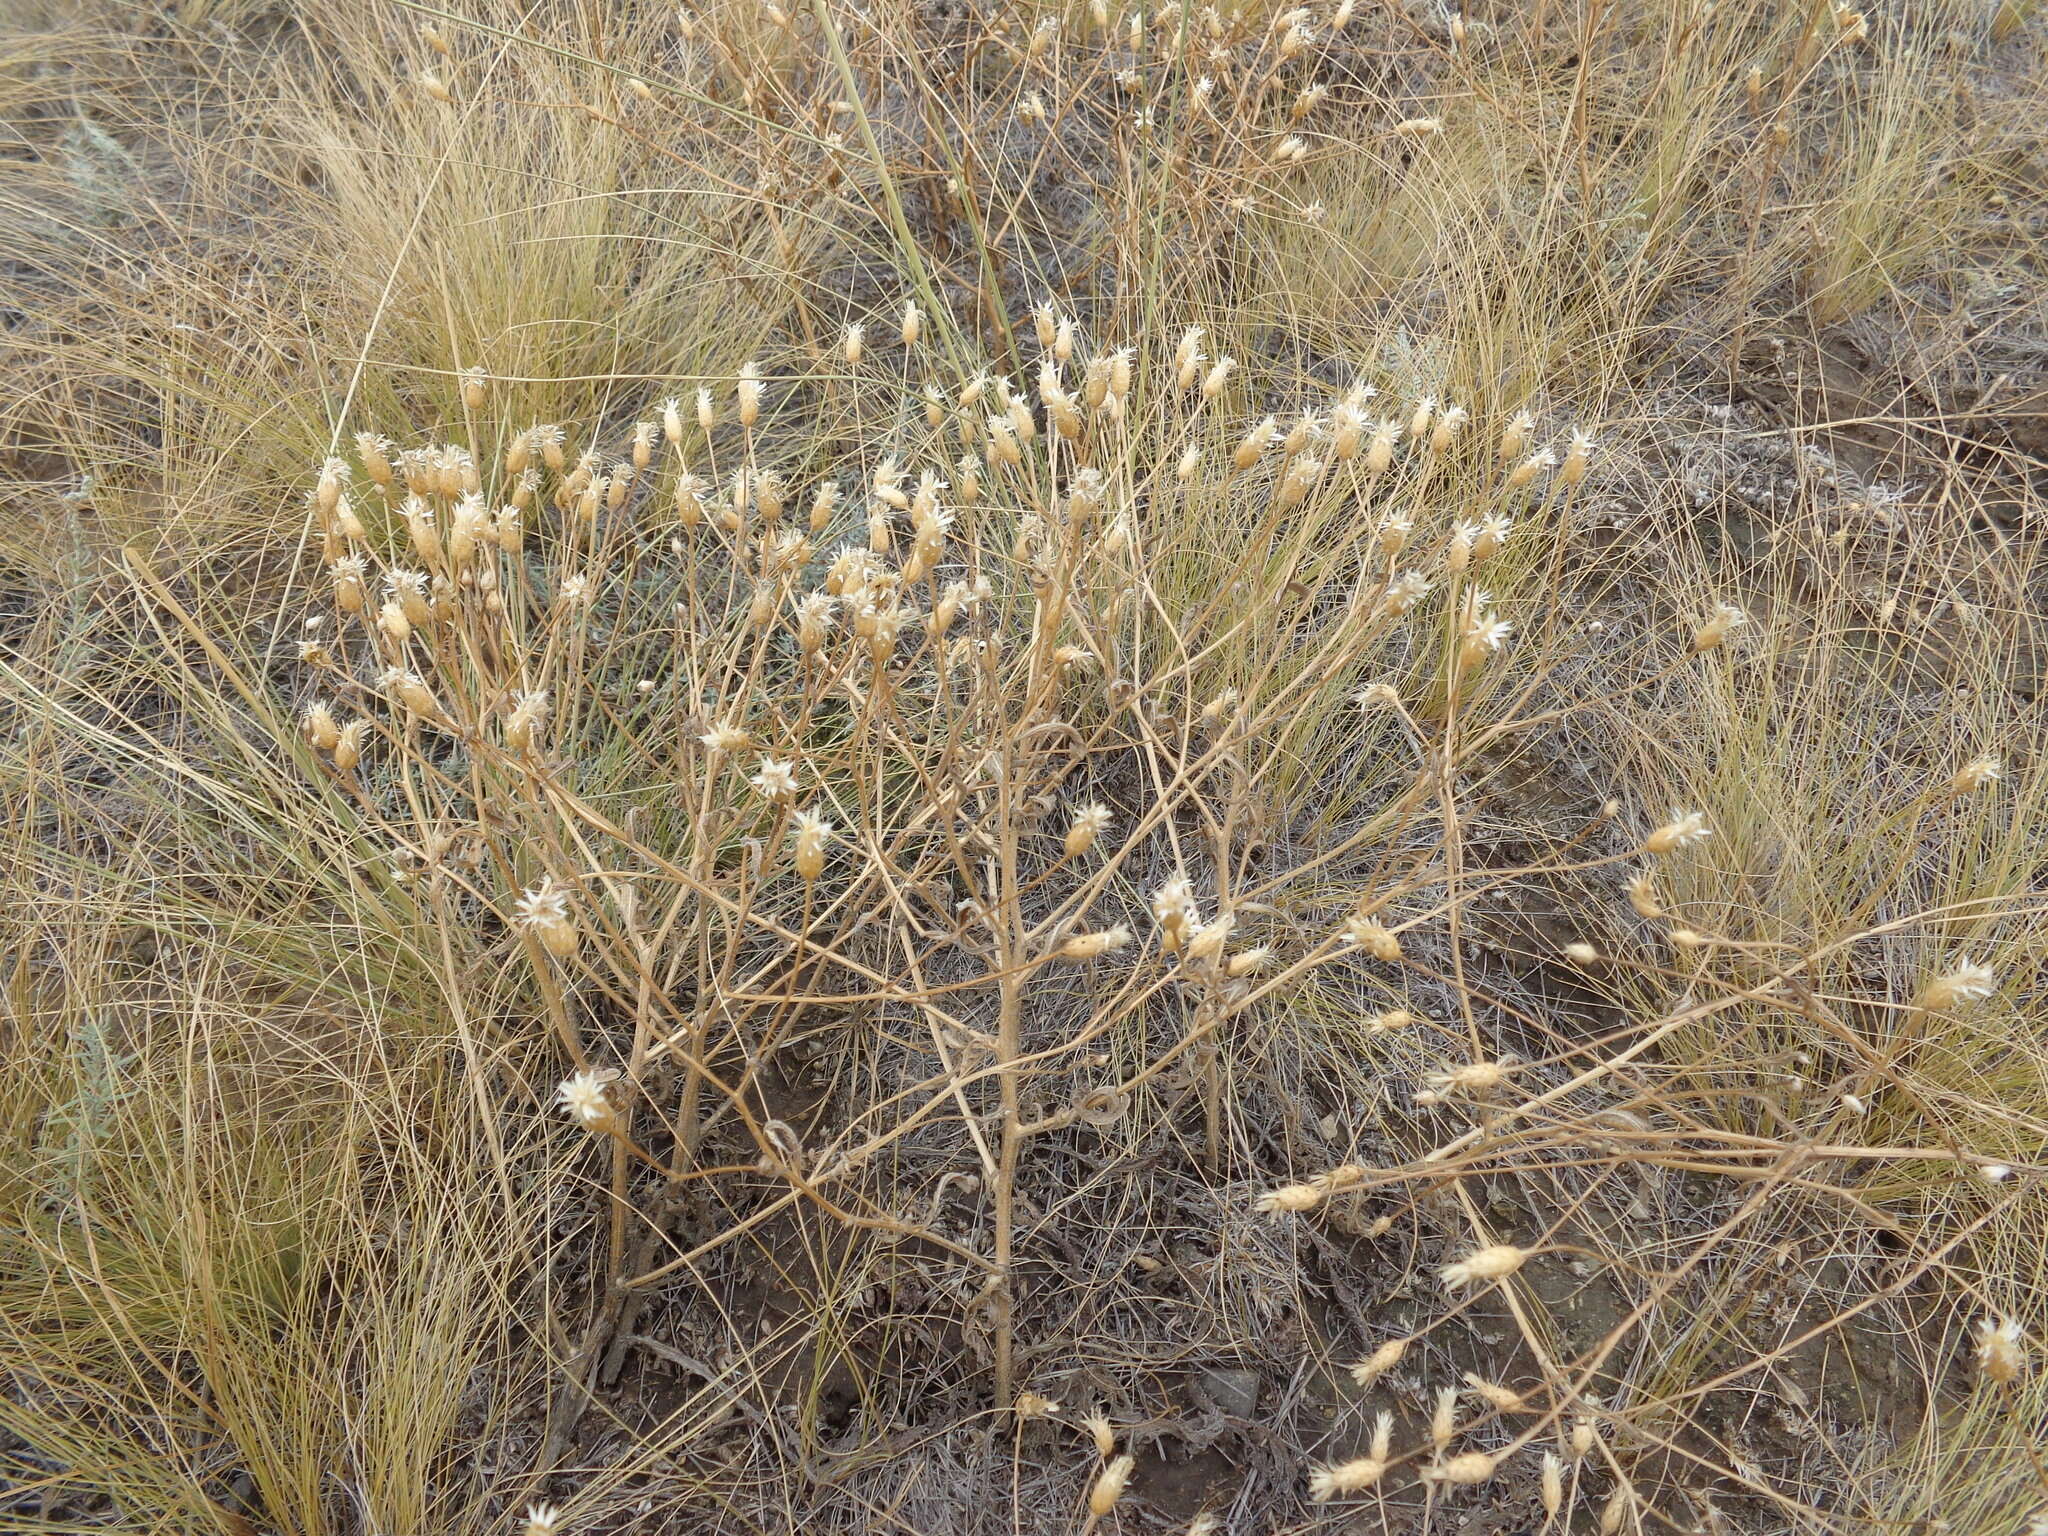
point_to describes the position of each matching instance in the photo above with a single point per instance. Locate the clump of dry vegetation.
(1023, 769)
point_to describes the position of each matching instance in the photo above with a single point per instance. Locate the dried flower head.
(544, 913)
(1091, 946)
(1379, 1362)
(1683, 830)
(1345, 1478)
(1493, 1394)
(1495, 1262)
(750, 393)
(319, 727)
(1109, 1485)
(2001, 1350)
(1029, 1405)
(1472, 1467)
(1477, 1077)
(1374, 938)
(1443, 1418)
(542, 1520)
(523, 720)
(1974, 775)
(1578, 459)
(1725, 618)
(1969, 982)
(1173, 908)
(776, 781)
(583, 1100)
(812, 832)
(726, 737)
(1289, 1198)
(348, 747)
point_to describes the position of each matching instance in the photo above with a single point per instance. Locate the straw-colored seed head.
(1406, 591)
(1970, 982)
(913, 324)
(1379, 454)
(1584, 1437)
(411, 691)
(542, 1520)
(776, 781)
(1109, 1485)
(1472, 1467)
(1495, 1262)
(1483, 635)
(349, 593)
(1379, 1362)
(750, 394)
(1683, 830)
(1974, 775)
(1578, 459)
(544, 913)
(1030, 1405)
(319, 727)
(1347, 432)
(1003, 447)
(1249, 962)
(1089, 823)
(375, 453)
(1725, 618)
(1443, 1418)
(1642, 896)
(348, 746)
(1493, 1394)
(812, 831)
(1345, 1478)
(1447, 427)
(1477, 1077)
(726, 737)
(1102, 1434)
(1289, 1198)
(583, 1100)
(1459, 553)
(1374, 938)
(1515, 436)
(1418, 127)
(1173, 908)
(1553, 1484)
(475, 388)
(523, 720)
(1207, 941)
(1297, 481)
(435, 87)
(1255, 443)
(1615, 1510)
(2001, 1350)
(1526, 471)
(1091, 946)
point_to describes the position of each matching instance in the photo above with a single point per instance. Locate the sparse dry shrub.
(819, 721)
